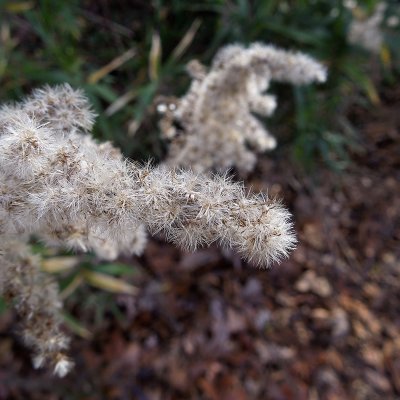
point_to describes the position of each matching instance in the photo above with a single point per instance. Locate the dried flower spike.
(36, 302)
(58, 183)
(217, 128)
(366, 31)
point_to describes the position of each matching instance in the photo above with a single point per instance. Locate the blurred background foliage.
(124, 53)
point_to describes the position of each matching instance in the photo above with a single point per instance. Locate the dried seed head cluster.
(53, 149)
(366, 31)
(213, 127)
(37, 303)
(58, 183)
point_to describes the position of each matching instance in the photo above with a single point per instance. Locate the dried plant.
(213, 127)
(37, 304)
(57, 183)
(366, 31)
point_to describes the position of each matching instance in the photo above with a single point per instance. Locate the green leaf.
(76, 326)
(116, 269)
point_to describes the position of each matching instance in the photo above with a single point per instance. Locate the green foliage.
(48, 41)
(88, 284)
(3, 306)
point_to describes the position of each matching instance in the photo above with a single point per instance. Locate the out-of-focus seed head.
(217, 127)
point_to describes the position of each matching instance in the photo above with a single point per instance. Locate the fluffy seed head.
(212, 127)
(59, 184)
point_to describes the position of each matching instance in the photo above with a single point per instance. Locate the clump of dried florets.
(58, 183)
(366, 31)
(213, 127)
(37, 303)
